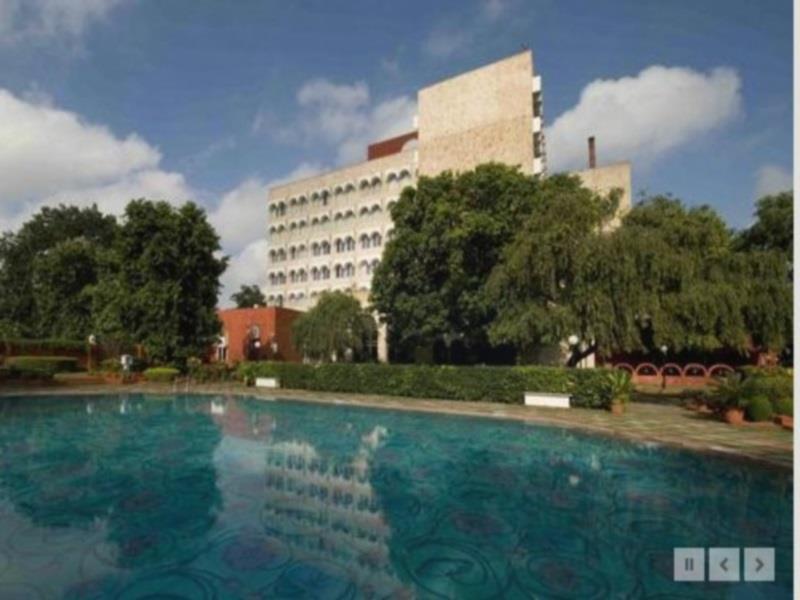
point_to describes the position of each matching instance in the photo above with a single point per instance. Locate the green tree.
(160, 281)
(335, 328)
(543, 286)
(668, 276)
(774, 226)
(62, 279)
(249, 296)
(19, 251)
(449, 233)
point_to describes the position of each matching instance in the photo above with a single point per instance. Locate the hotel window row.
(280, 207)
(364, 211)
(344, 244)
(339, 271)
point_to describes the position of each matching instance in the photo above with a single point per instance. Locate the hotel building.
(327, 232)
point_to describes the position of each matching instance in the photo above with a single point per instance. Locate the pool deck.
(764, 443)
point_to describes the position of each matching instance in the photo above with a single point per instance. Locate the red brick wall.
(390, 146)
(273, 323)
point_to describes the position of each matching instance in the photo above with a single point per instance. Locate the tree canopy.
(336, 328)
(160, 281)
(31, 263)
(249, 296)
(495, 257)
(449, 233)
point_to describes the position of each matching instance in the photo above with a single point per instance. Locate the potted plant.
(729, 399)
(618, 390)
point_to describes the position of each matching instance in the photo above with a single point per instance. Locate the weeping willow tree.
(668, 276)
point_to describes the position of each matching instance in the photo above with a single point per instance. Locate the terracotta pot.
(785, 421)
(734, 416)
(617, 408)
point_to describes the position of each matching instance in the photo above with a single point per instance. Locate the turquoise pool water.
(215, 497)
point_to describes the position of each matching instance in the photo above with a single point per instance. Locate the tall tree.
(543, 286)
(335, 328)
(62, 279)
(774, 226)
(160, 281)
(448, 236)
(249, 296)
(668, 276)
(19, 251)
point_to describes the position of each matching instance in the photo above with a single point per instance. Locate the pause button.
(689, 564)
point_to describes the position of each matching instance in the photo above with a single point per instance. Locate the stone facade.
(491, 114)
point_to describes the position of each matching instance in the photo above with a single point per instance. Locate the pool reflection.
(213, 496)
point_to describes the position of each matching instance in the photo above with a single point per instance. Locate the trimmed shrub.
(25, 374)
(488, 384)
(52, 364)
(784, 406)
(759, 408)
(210, 373)
(161, 374)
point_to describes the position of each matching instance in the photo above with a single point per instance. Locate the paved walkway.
(765, 443)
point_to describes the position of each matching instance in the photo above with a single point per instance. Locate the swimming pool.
(224, 497)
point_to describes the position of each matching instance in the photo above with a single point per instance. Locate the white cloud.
(36, 20)
(771, 179)
(49, 155)
(645, 116)
(248, 267)
(344, 116)
(241, 216)
(446, 42)
(494, 9)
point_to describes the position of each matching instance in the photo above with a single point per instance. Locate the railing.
(672, 374)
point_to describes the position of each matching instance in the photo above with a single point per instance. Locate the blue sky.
(104, 99)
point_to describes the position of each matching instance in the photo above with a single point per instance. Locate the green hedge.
(53, 364)
(210, 373)
(588, 387)
(11, 373)
(161, 374)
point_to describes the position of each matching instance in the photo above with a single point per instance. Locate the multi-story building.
(327, 232)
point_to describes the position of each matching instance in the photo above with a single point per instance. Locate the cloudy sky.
(105, 100)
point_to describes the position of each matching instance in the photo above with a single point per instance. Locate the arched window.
(376, 208)
(337, 216)
(292, 252)
(374, 264)
(338, 271)
(375, 181)
(363, 266)
(350, 244)
(363, 212)
(391, 204)
(363, 184)
(325, 273)
(315, 249)
(326, 247)
(339, 245)
(324, 219)
(389, 234)
(315, 274)
(376, 239)
(315, 221)
(349, 270)
(392, 176)
(292, 276)
(364, 241)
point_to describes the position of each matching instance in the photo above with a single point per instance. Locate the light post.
(663, 349)
(91, 342)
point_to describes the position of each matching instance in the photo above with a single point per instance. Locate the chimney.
(592, 156)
